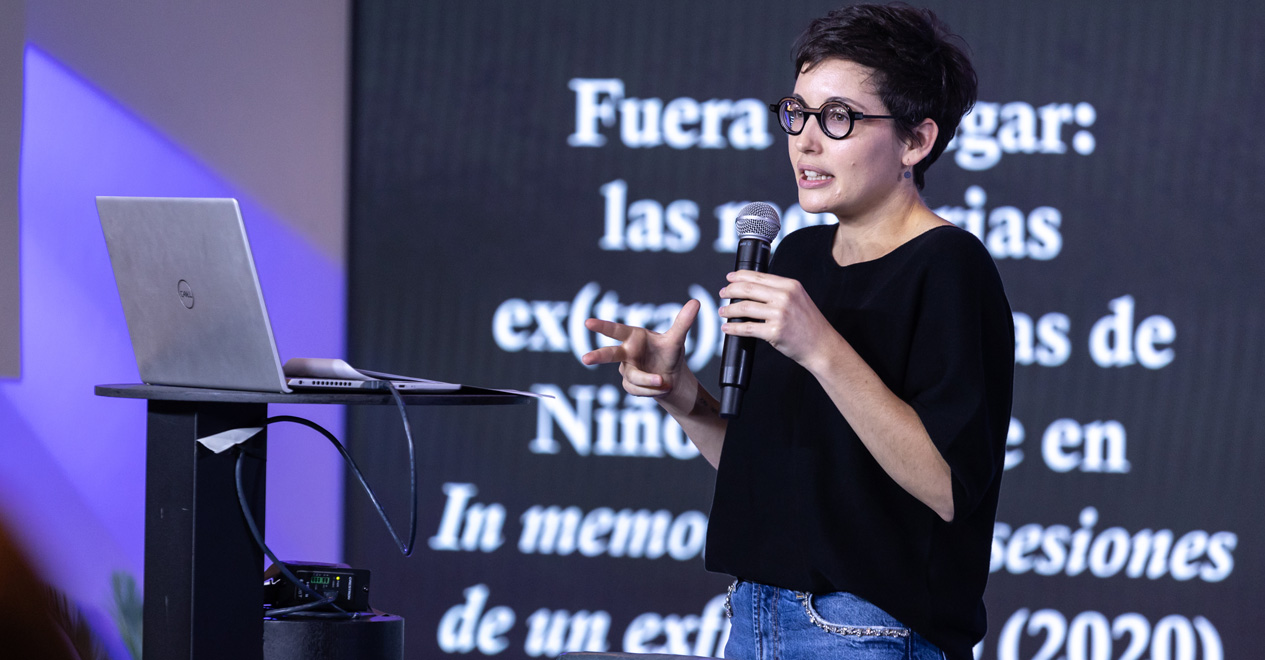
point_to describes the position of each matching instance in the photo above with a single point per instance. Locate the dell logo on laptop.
(186, 294)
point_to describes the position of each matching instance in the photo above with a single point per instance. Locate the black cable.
(321, 599)
(412, 469)
(303, 609)
(406, 548)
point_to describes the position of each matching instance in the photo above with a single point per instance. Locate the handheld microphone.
(757, 225)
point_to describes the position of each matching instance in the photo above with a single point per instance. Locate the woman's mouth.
(812, 178)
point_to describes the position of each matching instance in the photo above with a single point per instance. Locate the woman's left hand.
(791, 321)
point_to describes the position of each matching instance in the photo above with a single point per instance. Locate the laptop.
(194, 308)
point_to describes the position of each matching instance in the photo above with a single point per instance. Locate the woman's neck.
(873, 235)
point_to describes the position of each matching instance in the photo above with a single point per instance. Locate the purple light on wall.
(72, 476)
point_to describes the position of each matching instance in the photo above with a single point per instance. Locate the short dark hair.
(920, 72)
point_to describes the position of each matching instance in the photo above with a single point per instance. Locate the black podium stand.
(203, 571)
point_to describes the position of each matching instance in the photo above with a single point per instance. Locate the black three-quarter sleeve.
(960, 368)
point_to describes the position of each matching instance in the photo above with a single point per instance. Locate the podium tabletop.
(466, 396)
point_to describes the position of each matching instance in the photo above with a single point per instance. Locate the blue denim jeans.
(769, 623)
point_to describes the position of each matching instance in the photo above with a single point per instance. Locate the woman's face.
(855, 175)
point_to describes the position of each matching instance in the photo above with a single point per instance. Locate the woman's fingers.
(765, 331)
(747, 309)
(684, 319)
(642, 379)
(608, 354)
(755, 276)
(643, 391)
(752, 285)
(616, 331)
(604, 355)
(643, 354)
(640, 383)
(752, 291)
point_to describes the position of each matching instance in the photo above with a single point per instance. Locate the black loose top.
(801, 504)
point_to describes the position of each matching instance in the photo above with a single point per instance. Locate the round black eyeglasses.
(835, 117)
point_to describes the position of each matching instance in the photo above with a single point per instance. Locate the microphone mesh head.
(758, 220)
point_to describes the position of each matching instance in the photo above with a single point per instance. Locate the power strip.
(350, 586)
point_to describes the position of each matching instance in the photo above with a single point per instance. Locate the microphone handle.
(736, 359)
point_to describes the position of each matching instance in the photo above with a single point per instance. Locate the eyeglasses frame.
(853, 116)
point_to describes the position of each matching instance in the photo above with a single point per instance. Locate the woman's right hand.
(651, 363)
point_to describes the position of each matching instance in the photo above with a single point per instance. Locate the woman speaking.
(856, 494)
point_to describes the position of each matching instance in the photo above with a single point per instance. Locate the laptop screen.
(190, 292)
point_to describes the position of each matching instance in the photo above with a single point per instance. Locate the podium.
(203, 571)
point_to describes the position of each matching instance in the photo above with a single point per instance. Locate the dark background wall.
(519, 167)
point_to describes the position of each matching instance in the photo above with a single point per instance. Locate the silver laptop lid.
(190, 293)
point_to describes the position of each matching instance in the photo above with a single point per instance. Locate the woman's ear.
(924, 139)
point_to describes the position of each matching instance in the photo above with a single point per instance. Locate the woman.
(856, 494)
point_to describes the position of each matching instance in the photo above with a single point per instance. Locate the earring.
(907, 174)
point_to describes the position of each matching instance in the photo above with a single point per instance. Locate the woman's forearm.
(698, 413)
(888, 426)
